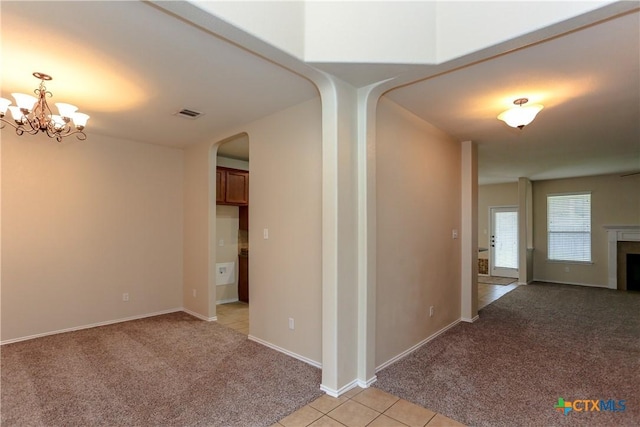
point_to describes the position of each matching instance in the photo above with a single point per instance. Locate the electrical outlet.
(566, 269)
(125, 297)
(194, 293)
(221, 242)
(265, 233)
(454, 234)
(431, 310)
(291, 323)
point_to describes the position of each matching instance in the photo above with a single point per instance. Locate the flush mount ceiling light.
(519, 117)
(32, 114)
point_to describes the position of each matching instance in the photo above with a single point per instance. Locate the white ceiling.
(131, 66)
(589, 84)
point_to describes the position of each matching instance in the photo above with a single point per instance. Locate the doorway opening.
(503, 244)
(232, 233)
(502, 265)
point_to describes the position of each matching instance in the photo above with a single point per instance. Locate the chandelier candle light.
(32, 114)
(519, 117)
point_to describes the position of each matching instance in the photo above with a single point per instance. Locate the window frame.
(590, 232)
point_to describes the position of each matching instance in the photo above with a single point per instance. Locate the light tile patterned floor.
(234, 315)
(489, 293)
(369, 407)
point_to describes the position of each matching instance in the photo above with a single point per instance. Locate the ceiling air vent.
(188, 114)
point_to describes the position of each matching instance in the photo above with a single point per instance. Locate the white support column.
(340, 257)
(525, 231)
(469, 233)
(367, 236)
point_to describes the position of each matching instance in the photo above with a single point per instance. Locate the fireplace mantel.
(615, 234)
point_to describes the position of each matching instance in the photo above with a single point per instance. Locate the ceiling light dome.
(519, 117)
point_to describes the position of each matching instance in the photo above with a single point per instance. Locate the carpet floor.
(538, 343)
(169, 370)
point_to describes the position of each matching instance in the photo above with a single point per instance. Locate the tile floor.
(489, 293)
(359, 407)
(234, 315)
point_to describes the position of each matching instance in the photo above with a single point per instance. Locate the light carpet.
(170, 370)
(538, 343)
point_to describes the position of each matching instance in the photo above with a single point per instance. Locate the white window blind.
(569, 227)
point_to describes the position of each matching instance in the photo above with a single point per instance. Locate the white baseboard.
(368, 383)
(417, 346)
(200, 316)
(342, 390)
(92, 325)
(227, 301)
(287, 352)
(572, 283)
(465, 319)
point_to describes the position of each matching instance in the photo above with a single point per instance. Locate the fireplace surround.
(622, 239)
(633, 271)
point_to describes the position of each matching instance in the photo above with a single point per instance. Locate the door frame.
(501, 271)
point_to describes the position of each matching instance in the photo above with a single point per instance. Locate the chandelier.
(519, 117)
(32, 114)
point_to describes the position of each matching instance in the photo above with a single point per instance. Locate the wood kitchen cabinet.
(243, 278)
(243, 255)
(243, 213)
(232, 187)
(221, 182)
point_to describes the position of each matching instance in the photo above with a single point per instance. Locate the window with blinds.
(569, 227)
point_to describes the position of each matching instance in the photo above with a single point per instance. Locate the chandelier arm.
(20, 129)
(64, 132)
(52, 132)
(30, 131)
(34, 125)
(7, 122)
(79, 134)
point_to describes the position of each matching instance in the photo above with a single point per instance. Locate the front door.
(503, 252)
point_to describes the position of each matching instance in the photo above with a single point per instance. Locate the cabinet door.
(221, 185)
(237, 187)
(243, 278)
(243, 213)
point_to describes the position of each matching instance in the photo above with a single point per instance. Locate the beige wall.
(285, 197)
(83, 223)
(285, 277)
(488, 196)
(614, 201)
(418, 206)
(198, 291)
